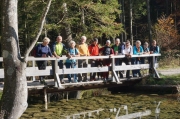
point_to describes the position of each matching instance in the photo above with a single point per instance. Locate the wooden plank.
(35, 72)
(1, 73)
(132, 67)
(82, 70)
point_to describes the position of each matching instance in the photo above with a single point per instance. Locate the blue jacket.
(135, 50)
(41, 49)
(155, 49)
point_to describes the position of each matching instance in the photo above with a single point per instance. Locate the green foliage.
(99, 18)
(139, 8)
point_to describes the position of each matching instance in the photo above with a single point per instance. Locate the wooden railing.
(33, 70)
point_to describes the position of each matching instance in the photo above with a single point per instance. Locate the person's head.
(59, 39)
(154, 43)
(95, 41)
(108, 42)
(72, 44)
(117, 41)
(83, 39)
(46, 41)
(138, 43)
(146, 44)
(127, 43)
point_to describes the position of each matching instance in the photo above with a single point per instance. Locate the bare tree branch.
(39, 32)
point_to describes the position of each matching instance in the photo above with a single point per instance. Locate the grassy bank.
(164, 80)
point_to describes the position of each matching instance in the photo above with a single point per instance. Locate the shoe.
(62, 82)
(128, 77)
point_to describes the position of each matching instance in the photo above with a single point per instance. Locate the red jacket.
(93, 50)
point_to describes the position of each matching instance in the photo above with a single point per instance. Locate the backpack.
(33, 52)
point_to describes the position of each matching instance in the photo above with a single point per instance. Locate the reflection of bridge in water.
(54, 84)
(128, 115)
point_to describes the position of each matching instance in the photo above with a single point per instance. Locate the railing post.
(113, 67)
(55, 73)
(33, 65)
(113, 72)
(153, 66)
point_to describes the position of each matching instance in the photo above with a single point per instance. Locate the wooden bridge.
(54, 84)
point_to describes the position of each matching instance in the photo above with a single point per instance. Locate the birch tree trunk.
(14, 98)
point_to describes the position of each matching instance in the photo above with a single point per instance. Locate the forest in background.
(105, 19)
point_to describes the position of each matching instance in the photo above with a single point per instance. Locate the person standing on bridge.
(71, 63)
(107, 51)
(83, 51)
(43, 50)
(146, 51)
(137, 50)
(94, 51)
(118, 51)
(154, 49)
(58, 48)
(128, 52)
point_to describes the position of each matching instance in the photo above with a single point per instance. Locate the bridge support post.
(45, 98)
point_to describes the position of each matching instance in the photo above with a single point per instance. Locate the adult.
(146, 51)
(137, 50)
(83, 51)
(71, 63)
(94, 51)
(154, 49)
(128, 52)
(118, 47)
(107, 51)
(43, 50)
(57, 49)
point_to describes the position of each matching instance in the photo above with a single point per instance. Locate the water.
(106, 107)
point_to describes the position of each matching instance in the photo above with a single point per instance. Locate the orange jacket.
(93, 50)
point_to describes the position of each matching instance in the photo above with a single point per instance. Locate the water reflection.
(117, 111)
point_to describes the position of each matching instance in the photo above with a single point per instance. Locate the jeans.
(60, 64)
(137, 71)
(94, 63)
(127, 61)
(41, 66)
(82, 64)
(71, 65)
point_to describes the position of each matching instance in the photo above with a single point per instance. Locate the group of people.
(83, 50)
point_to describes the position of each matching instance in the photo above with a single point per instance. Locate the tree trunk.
(124, 20)
(67, 25)
(149, 22)
(14, 98)
(131, 20)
